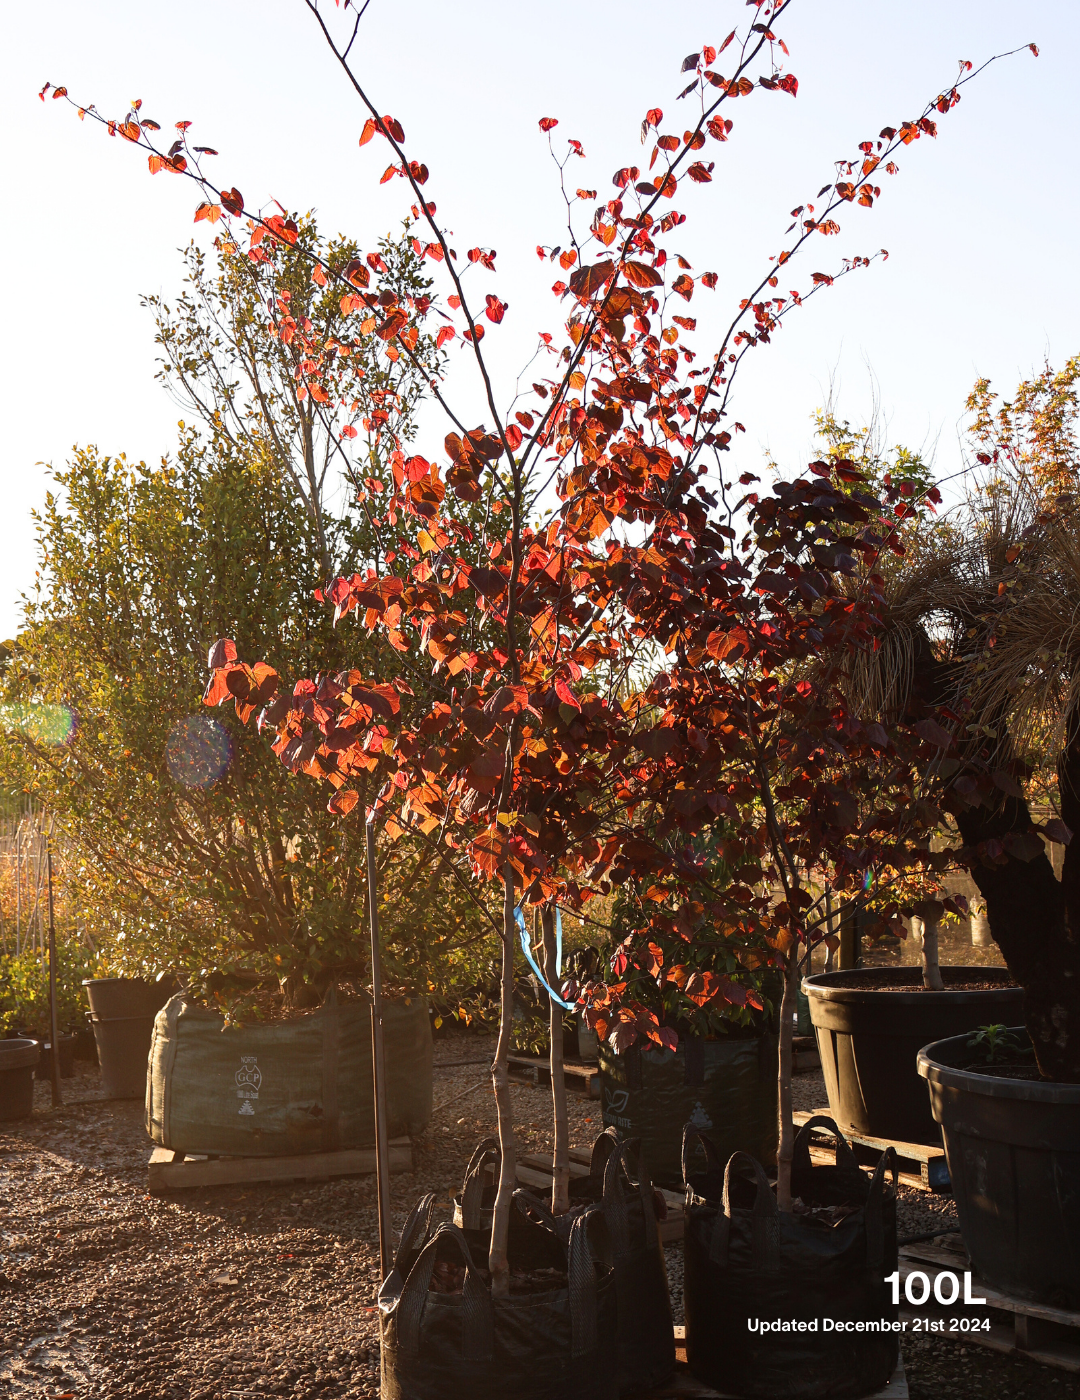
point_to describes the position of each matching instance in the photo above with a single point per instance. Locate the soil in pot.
(1013, 1146)
(746, 1261)
(872, 1022)
(18, 1056)
(726, 1088)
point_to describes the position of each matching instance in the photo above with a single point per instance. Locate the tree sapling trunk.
(927, 930)
(786, 1150)
(560, 1162)
(498, 1260)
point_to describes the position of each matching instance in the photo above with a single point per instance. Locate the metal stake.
(54, 1026)
(382, 1144)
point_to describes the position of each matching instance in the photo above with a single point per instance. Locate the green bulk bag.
(302, 1085)
(726, 1088)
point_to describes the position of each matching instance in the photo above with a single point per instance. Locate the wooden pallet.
(920, 1166)
(534, 1069)
(684, 1386)
(1045, 1334)
(534, 1170)
(173, 1171)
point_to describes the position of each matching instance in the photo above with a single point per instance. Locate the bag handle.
(477, 1313)
(800, 1159)
(602, 1149)
(874, 1213)
(581, 1272)
(472, 1187)
(415, 1230)
(765, 1219)
(712, 1157)
(615, 1197)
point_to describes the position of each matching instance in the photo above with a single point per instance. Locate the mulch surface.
(269, 1290)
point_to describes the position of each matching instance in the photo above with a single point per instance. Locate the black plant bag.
(556, 1345)
(630, 1243)
(747, 1261)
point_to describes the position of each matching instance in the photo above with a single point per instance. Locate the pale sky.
(981, 278)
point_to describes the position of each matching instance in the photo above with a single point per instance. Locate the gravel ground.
(268, 1290)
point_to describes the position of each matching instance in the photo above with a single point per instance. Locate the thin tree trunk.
(786, 1150)
(498, 1261)
(931, 970)
(560, 1162)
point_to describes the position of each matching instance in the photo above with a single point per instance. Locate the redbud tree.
(619, 673)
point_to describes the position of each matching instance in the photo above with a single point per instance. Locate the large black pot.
(122, 1010)
(1014, 1160)
(869, 1035)
(18, 1057)
(726, 1088)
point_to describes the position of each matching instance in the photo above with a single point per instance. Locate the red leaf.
(546, 123)
(640, 275)
(932, 733)
(394, 128)
(513, 437)
(683, 285)
(496, 309)
(447, 333)
(566, 695)
(342, 802)
(221, 653)
(368, 131)
(233, 200)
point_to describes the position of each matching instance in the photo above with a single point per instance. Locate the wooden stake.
(382, 1144)
(54, 1022)
(560, 1175)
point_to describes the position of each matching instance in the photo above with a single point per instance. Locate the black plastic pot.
(726, 1088)
(17, 1060)
(553, 1345)
(122, 1011)
(869, 1036)
(1014, 1159)
(746, 1263)
(67, 1059)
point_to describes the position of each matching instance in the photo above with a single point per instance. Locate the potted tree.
(196, 853)
(534, 768)
(1008, 1121)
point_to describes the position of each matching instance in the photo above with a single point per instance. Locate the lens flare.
(198, 751)
(867, 880)
(42, 724)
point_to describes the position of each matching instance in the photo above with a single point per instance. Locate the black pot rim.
(821, 985)
(21, 1052)
(988, 1085)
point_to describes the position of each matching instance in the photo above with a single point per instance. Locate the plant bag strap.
(331, 1135)
(765, 1219)
(712, 1157)
(602, 1149)
(472, 1188)
(875, 1213)
(615, 1198)
(415, 1230)
(477, 1313)
(800, 1157)
(581, 1272)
